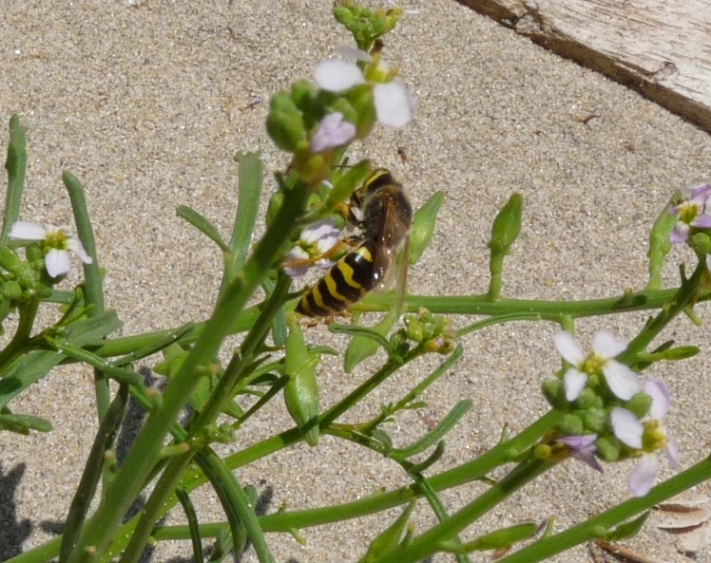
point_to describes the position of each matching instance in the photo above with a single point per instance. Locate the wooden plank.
(661, 48)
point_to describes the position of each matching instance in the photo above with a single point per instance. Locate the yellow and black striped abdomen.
(346, 282)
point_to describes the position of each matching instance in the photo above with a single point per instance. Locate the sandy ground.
(147, 101)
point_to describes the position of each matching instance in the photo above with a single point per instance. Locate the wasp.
(385, 221)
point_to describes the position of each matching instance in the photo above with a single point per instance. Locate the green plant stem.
(429, 542)
(466, 473)
(20, 340)
(545, 310)
(683, 298)
(215, 404)
(121, 492)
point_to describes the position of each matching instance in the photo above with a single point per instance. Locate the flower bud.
(507, 225)
(343, 106)
(542, 451)
(595, 420)
(701, 243)
(303, 94)
(639, 404)
(587, 398)
(11, 290)
(8, 258)
(285, 123)
(413, 329)
(554, 392)
(343, 15)
(608, 448)
(33, 253)
(571, 425)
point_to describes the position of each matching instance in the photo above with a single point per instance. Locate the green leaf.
(659, 243)
(203, 225)
(388, 539)
(92, 330)
(627, 529)
(23, 423)
(500, 538)
(16, 166)
(424, 222)
(431, 438)
(28, 369)
(251, 176)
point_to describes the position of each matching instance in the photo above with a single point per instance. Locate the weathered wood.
(662, 49)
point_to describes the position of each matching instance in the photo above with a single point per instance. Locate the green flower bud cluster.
(590, 414)
(22, 280)
(433, 332)
(367, 26)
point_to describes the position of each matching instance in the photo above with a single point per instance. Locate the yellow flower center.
(688, 211)
(654, 437)
(57, 239)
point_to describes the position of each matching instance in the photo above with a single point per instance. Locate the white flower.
(393, 104)
(621, 380)
(691, 212)
(316, 240)
(648, 437)
(57, 243)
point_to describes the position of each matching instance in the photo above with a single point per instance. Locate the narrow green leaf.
(500, 538)
(203, 225)
(431, 438)
(94, 290)
(423, 225)
(251, 176)
(23, 423)
(28, 369)
(191, 516)
(659, 243)
(627, 529)
(389, 539)
(16, 166)
(92, 330)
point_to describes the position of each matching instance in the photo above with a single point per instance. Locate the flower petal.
(336, 76)
(24, 230)
(583, 449)
(679, 234)
(332, 132)
(299, 257)
(702, 221)
(568, 348)
(627, 428)
(574, 381)
(661, 398)
(393, 104)
(606, 346)
(672, 452)
(643, 475)
(621, 380)
(700, 194)
(353, 54)
(57, 262)
(75, 245)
